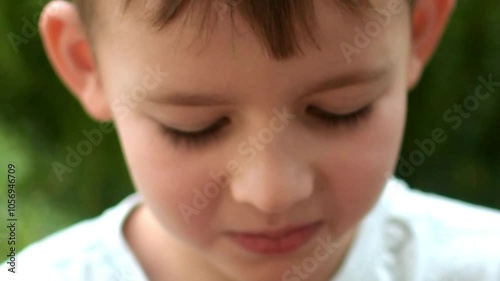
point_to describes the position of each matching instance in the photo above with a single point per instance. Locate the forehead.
(233, 51)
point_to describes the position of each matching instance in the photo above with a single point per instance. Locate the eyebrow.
(180, 98)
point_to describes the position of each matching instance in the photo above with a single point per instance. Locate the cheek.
(355, 169)
(167, 179)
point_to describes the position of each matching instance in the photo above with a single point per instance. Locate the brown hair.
(272, 20)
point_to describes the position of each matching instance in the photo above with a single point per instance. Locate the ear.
(69, 51)
(429, 20)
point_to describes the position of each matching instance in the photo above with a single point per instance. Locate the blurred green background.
(39, 119)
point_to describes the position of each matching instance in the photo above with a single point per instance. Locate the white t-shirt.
(409, 235)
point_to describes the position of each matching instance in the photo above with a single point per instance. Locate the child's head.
(283, 113)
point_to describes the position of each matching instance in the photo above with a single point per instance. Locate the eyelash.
(337, 120)
(199, 138)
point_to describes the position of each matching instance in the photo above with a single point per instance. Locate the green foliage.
(38, 119)
(464, 166)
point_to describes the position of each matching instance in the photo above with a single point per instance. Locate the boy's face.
(287, 164)
(272, 130)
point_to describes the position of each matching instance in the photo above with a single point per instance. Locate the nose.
(274, 180)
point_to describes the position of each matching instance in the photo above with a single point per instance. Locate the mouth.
(275, 242)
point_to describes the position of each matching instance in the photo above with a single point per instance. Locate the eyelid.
(194, 137)
(219, 123)
(326, 113)
(203, 136)
(335, 119)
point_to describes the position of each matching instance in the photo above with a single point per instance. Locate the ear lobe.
(68, 49)
(429, 20)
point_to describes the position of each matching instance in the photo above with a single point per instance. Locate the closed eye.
(203, 136)
(196, 138)
(336, 120)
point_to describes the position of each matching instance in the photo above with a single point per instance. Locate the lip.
(277, 241)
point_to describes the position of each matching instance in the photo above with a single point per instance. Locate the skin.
(308, 172)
